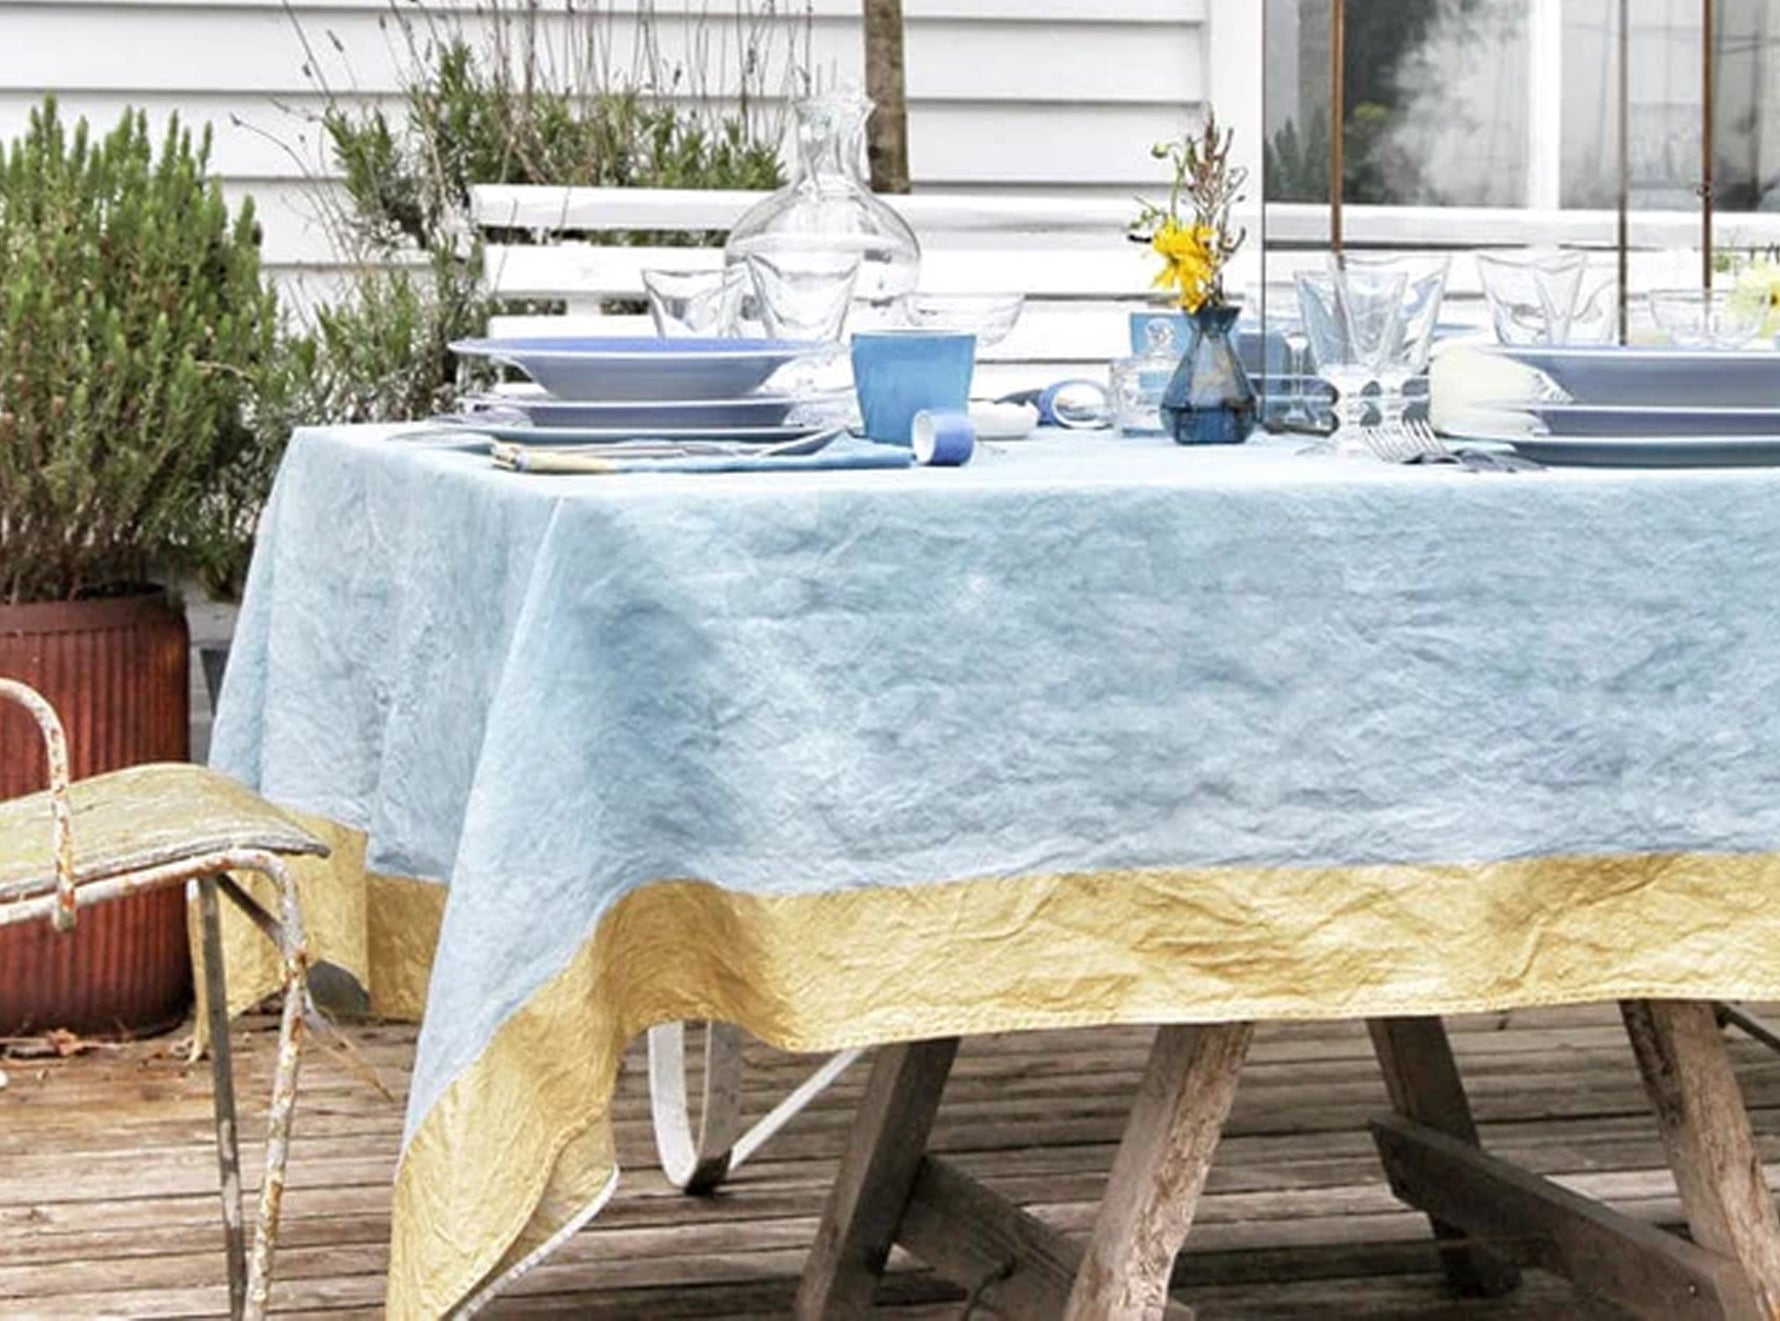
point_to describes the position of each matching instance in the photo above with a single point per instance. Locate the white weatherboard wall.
(1051, 95)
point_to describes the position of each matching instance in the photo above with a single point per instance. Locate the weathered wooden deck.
(107, 1203)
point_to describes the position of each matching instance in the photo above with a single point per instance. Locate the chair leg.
(228, 1146)
(287, 933)
(278, 1128)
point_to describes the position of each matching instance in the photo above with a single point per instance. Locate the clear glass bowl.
(990, 317)
(1706, 319)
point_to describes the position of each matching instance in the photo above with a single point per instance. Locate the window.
(1515, 103)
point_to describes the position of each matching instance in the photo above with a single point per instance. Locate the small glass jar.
(1138, 382)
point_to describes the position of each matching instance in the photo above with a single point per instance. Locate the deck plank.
(107, 1202)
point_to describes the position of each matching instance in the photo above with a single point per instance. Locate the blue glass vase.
(1209, 399)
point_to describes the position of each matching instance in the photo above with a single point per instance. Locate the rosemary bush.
(519, 97)
(138, 371)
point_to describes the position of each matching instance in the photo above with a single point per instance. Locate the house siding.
(1051, 95)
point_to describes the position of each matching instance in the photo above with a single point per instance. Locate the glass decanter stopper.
(827, 211)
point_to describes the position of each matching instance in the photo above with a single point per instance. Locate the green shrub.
(527, 102)
(468, 119)
(138, 366)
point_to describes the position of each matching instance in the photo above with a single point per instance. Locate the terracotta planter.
(118, 672)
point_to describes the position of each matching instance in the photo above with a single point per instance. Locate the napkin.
(1473, 388)
(588, 459)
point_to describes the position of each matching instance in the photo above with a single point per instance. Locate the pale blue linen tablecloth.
(1080, 652)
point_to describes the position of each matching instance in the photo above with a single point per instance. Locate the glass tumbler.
(696, 304)
(804, 295)
(1532, 295)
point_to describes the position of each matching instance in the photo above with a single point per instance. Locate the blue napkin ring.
(943, 439)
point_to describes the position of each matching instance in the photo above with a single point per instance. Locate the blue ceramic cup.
(899, 373)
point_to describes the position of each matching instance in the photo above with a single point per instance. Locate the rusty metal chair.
(154, 826)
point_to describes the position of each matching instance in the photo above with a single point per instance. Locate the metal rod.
(228, 1145)
(1625, 165)
(1337, 117)
(1708, 136)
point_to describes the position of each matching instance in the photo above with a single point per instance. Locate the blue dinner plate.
(1610, 375)
(759, 410)
(583, 369)
(535, 435)
(1652, 451)
(1648, 420)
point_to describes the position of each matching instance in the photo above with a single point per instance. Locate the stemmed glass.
(1281, 311)
(1351, 319)
(1407, 357)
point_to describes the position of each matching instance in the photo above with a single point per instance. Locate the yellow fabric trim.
(522, 1138)
(371, 937)
(332, 891)
(402, 929)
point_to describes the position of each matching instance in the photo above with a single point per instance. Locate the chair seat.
(145, 816)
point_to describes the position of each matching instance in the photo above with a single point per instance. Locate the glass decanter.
(827, 210)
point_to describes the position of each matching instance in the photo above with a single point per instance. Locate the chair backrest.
(1069, 256)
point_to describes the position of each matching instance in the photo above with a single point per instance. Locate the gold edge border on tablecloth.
(521, 1140)
(338, 898)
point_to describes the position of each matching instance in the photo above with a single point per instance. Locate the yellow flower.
(1760, 281)
(1190, 261)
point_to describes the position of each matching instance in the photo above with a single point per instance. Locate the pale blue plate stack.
(592, 390)
(1647, 408)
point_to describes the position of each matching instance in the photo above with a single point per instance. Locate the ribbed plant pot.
(117, 672)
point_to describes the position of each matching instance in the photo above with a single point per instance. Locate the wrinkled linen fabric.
(1078, 656)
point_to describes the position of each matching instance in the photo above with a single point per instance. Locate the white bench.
(1070, 257)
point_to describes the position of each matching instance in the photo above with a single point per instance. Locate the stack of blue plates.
(1644, 408)
(591, 390)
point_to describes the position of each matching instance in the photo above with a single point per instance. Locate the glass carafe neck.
(830, 138)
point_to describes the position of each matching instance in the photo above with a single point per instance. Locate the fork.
(1408, 442)
(1423, 435)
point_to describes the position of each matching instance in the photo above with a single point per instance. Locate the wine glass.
(1281, 313)
(1350, 318)
(1407, 357)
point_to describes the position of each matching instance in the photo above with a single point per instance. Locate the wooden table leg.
(1424, 1085)
(875, 1177)
(1159, 1172)
(1705, 1130)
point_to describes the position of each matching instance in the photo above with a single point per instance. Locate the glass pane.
(1747, 106)
(1663, 116)
(1297, 151)
(1471, 125)
(1437, 108)
(1437, 115)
